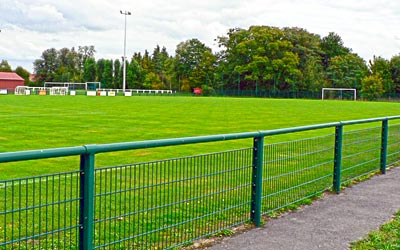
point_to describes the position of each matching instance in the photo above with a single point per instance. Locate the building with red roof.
(10, 80)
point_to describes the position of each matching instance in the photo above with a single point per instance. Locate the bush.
(372, 87)
(208, 91)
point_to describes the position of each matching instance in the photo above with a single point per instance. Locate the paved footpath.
(329, 223)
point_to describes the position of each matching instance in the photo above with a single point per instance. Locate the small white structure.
(354, 91)
(26, 90)
(59, 91)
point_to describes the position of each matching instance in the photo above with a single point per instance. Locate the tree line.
(261, 58)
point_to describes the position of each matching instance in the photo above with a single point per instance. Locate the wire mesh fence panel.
(393, 155)
(40, 212)
(164, 204)
(171, 203)
(296, 170)
(361, 153)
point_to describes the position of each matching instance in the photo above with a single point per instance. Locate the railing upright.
(384, 145)
(86, 206)
(338, 158)
(256, 187)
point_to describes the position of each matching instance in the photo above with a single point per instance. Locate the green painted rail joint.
(258, 169)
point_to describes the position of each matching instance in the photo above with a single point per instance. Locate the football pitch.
(39, 122)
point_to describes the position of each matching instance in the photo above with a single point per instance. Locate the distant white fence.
(129, 92)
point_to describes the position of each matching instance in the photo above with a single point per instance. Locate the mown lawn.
(38, 122)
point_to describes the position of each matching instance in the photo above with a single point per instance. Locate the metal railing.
(171, 203)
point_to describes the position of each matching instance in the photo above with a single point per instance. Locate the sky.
(29, 27)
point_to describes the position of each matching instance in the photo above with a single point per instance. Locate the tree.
(203, 73)
(159, 59)
(74, 68)
(262, 56)
(347, 71)
(4, 66)
(117, 80)
(61, 65)
(307, 46)
(381, 67)
(68, 66)
(134, 73)
(171, 76)
(89, 70)
(84, 52)
(372, 87)
(100, 64)
(152, 81)
(47, 66)
(332, 45)
(188, 56)
(395, 70)
(24, 74)
(107, 74)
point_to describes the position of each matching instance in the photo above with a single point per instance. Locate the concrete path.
(329, 223)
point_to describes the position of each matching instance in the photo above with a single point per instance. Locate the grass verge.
(387, 237)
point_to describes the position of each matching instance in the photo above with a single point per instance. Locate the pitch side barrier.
(171, 203)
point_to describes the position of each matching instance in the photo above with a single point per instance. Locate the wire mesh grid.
(296, 170)
(361, 153)
(40, 212)
(164, 204)
(393, 155)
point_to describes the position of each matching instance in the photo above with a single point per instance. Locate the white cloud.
(29, 27)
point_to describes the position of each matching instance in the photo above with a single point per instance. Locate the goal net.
(74, 85)
(339, 94)
(25, 90)
(59, 91)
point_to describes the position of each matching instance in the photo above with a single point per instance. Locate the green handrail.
(103, 148)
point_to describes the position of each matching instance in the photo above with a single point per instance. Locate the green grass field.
(175, 201)
(38, 122)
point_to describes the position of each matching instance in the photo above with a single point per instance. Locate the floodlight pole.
(126, 13)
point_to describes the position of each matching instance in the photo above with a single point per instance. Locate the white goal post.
(74, 85)
(341, 90)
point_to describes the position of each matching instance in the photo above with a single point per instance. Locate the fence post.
(338, 158)
(384, 145)
(256, 187)
(86, 205)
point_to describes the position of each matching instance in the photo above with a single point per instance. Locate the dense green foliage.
(372, 87)
(5, 66)
(258, 59)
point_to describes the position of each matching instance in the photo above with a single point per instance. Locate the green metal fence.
(168, 204)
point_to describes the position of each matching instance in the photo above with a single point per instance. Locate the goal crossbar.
(340, 89)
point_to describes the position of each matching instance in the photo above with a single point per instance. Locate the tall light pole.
(126, 13)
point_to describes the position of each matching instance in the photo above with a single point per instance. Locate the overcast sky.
(28, 27)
